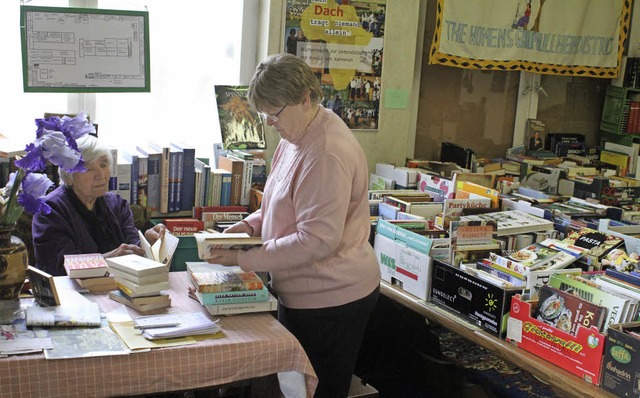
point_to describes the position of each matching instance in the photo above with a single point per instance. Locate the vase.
(13, 263)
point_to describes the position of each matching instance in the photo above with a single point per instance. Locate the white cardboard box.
(404, 260)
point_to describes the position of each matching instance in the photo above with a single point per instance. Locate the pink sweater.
(315, 219)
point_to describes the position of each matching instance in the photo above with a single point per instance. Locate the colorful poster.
(568, 37)
(342, 41)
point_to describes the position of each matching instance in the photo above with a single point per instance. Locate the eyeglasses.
(272, 118)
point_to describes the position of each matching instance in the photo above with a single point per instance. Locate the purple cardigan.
(64, 231)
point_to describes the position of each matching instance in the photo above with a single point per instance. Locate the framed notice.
(84, 50)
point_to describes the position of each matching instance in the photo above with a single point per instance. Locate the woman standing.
(314, 222)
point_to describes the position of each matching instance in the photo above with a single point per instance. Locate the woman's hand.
(241, 226)
(223, 257)
(155, 233)
(123, 250)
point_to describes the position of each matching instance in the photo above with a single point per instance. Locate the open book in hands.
(209, 242)
(162, 250)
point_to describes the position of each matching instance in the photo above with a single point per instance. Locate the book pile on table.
(140, 282)
(89, 271)
(228, 290)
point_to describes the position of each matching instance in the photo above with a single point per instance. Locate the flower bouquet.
(55, 142)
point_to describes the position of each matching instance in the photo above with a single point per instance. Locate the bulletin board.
(84, 50)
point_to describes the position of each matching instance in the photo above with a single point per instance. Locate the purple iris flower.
(55, 149)
(33, 160)
(34, 186)
(76, 127)
(50, 123)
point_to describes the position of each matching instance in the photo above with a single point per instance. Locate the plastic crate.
(186, 251)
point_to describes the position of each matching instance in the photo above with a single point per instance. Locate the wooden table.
(563, 380)
(255, 345)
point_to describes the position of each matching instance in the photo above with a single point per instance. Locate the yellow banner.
(567, 37)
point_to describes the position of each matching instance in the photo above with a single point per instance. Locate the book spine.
(165, 164)
(188, 179)
(225, 190)
(228, 309)
(235, 168)
(153, 182)
(123, 177)
(623, 276)
(216, 188)
(143, 181)
(233, 297)
(198, 210)
(134, 179)
(173, 172)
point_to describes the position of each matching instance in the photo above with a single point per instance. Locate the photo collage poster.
(342, 41)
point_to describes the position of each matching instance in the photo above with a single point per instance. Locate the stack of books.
(140, 282)
(228, 290)
(89, 271)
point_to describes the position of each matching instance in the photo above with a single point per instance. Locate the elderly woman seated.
(85, 217)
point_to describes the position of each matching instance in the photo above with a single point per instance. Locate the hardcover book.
(43, 287)
(471, 232)
(208, 242)
(243, 308)
(229, 297)
(88, 265)
(183, 226)
(241, 126)
(212, 278)
(617, 306)
(567, 312)
(598, 244)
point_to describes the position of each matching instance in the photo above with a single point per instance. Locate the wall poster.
(568, 37)
(342, 41)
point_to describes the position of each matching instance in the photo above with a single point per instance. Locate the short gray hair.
(91, 149)
(281, 80)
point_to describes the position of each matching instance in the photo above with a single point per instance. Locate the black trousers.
(331, 337)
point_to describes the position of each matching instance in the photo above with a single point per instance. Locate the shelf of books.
(539, 260)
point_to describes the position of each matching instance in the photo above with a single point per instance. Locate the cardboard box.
(621, 362)
(404, 177)
(580, 355)
(472, 298)
(404, 259)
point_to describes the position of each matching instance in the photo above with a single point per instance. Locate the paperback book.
(81, 314)
(88, 265)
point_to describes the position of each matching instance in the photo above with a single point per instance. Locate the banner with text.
(567, 37)
(342, 42)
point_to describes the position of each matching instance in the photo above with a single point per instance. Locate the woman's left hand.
(224, 257)
(155, 233)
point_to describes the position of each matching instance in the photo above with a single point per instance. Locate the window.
(19, 109)
(194, 46)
